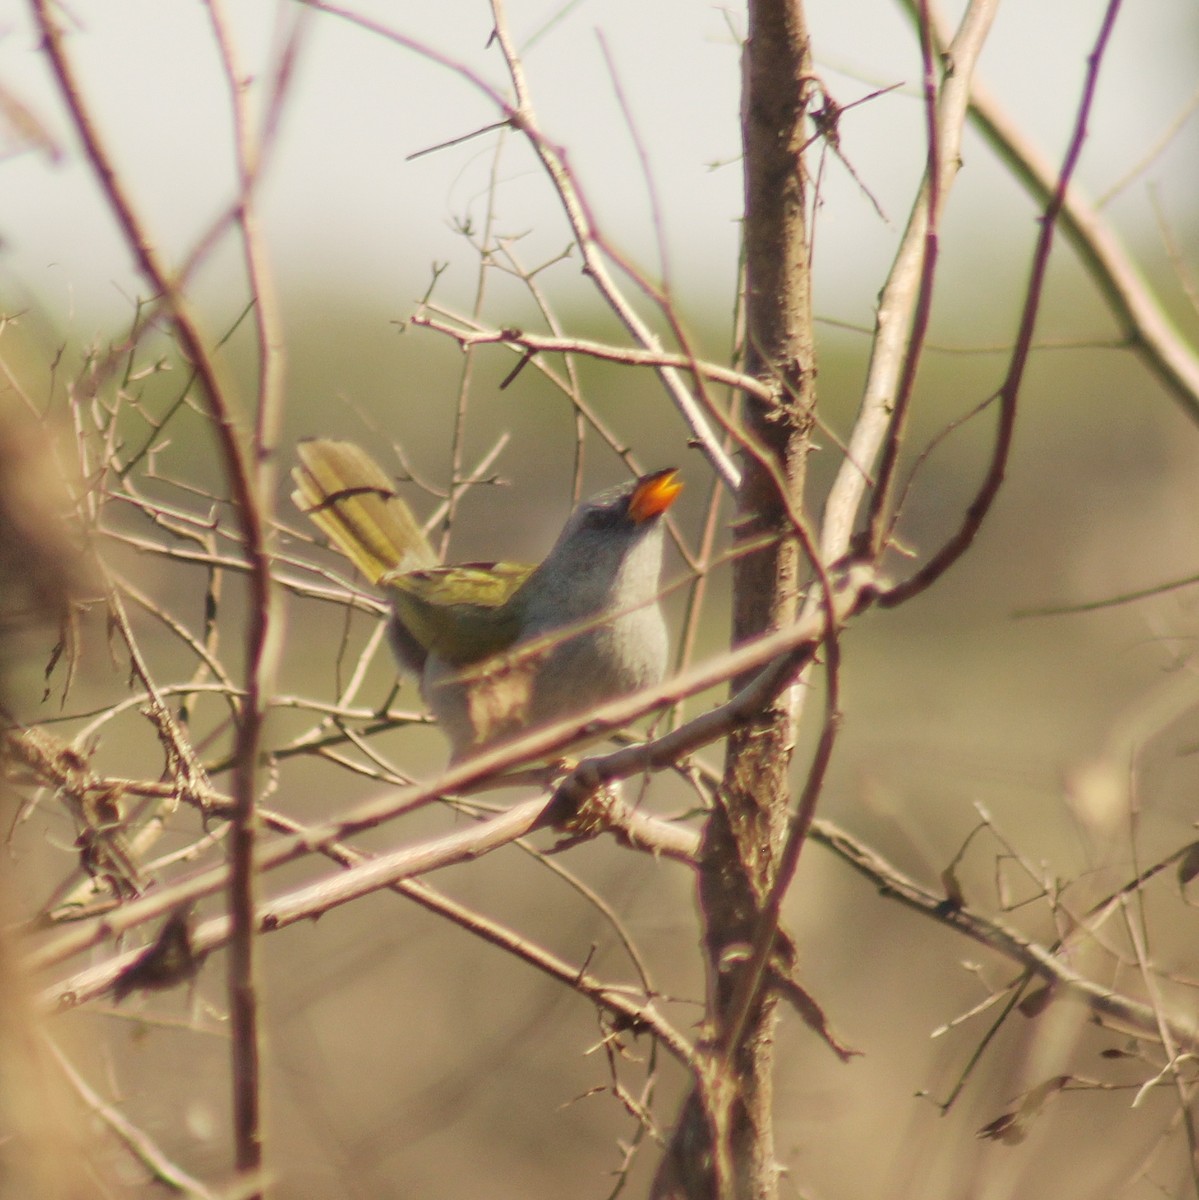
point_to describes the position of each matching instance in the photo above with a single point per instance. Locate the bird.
(502, 647)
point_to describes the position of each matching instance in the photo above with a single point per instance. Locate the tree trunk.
(731, 1110)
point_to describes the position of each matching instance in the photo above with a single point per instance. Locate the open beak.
(654, 494)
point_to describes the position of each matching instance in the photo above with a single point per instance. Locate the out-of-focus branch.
(267, 320)
(536, 343)
(959, 542)
(243, 984)
(365, 875)
(898, 298)
(800, 638)
(520, 116)
(1149, 332)
(140, 1144)
(247, 482)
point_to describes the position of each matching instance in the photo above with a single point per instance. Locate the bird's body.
(500, 647)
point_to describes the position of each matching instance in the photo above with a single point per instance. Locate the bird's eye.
(600, 518)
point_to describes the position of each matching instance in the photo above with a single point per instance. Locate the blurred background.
(405, 1058)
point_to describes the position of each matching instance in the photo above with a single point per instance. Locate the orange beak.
(654, 494)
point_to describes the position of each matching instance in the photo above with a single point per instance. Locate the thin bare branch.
(520, 116)
(252, 506)
(139, 1143)
(899, 295)
(537, 343)
(1144, 322)
(1009, 392)
(784, 645)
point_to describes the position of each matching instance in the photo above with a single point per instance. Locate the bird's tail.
(347, 495)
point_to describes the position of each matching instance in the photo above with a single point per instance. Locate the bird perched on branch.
(501, 647)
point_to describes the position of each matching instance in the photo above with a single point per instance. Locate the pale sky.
(341, 195)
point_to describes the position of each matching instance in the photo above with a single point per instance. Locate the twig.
(140, 1144)
(1146, 326)
(582, 224)
(958, 542)
(1166, 1033)
(249, 497)
(785, 645)
(882, 500)
(486, 250)
(520, 116)
(268, 410)
(365, 875)
(1151, 152)
(537, 343)
(1123, 1012)
(899, 295)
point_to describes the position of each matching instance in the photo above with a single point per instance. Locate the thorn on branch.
(457, 141)
(525, 359)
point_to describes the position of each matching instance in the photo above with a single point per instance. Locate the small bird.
(501, 647)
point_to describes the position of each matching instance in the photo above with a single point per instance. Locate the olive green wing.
(460, 613)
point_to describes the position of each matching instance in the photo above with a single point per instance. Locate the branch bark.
(723, 1144)
(249, 478)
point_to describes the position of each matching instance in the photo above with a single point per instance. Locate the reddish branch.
(245, 484)
(542, 743)
(518, 114)
(1009, 391)
(882, 499)
(537, 343)
(1148, 329)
